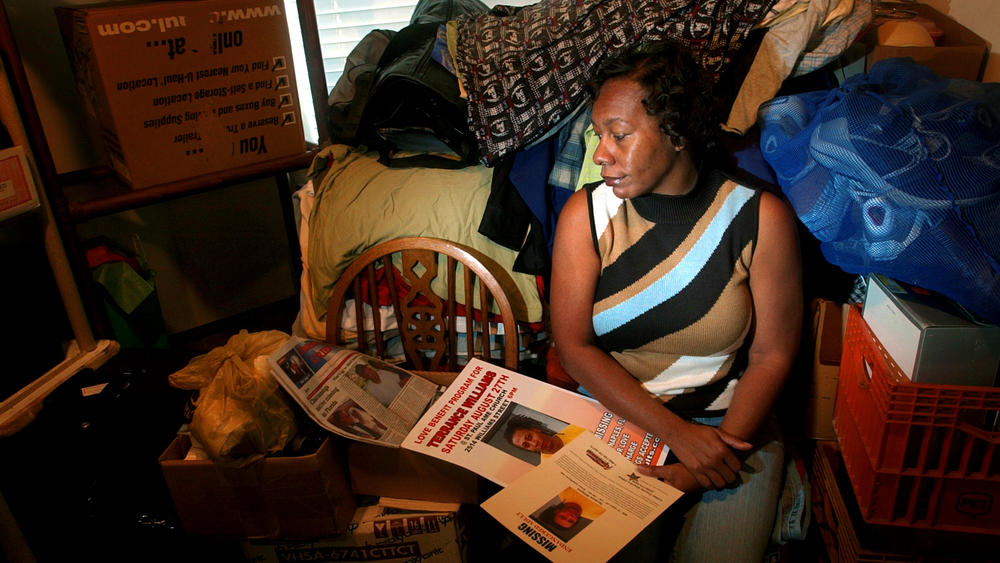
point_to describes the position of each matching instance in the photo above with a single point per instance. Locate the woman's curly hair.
(681, 95)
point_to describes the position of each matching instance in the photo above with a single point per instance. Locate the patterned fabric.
(859, 290)
(835, 37)
(799, 44)
(571, 152)
(440, 53)
(673, 300)
(525, 68)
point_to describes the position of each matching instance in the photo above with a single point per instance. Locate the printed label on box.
(17, 187)
(187, 88)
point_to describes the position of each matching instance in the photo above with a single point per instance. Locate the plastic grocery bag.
(240, 414)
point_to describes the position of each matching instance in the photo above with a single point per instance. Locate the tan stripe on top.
(635, 229)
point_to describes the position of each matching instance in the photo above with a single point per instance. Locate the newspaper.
(349, 393)
(491, 420)
(584, 504)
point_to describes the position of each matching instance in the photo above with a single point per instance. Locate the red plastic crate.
(832, 516)
(917, 455)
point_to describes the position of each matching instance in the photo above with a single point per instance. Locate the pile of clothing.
(506, 87)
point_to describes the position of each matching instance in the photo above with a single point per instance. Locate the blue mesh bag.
(897, 172)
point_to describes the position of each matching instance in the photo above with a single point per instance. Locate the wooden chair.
(427, 322)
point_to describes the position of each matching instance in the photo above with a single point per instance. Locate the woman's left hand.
(675, 474)
(707, 452)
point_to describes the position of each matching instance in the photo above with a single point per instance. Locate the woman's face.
(635, 156)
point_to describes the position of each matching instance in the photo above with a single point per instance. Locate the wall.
(983, 18)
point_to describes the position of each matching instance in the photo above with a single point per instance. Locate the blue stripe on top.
(680, 276)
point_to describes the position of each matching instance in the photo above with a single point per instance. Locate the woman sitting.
(677, 303)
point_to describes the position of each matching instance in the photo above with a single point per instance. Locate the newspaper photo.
(583, 504)
(500, 424)
(351, 394)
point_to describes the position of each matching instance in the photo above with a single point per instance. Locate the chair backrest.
(429, 325)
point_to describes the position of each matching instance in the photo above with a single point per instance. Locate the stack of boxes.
(915, 415)
(917, 408)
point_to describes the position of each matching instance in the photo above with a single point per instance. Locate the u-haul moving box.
(181, 89)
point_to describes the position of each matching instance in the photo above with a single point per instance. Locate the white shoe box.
(931, 338)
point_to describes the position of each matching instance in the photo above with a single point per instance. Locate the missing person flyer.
(500, 424)
(583, 504)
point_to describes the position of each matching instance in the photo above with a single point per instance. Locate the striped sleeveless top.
(673, 304)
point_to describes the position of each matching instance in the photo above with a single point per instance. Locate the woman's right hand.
(707, 452)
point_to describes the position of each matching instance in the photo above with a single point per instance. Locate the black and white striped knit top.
(673, 304)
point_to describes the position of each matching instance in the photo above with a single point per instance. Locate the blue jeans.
(732, 525)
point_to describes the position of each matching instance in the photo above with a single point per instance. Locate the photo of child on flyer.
(567, 514)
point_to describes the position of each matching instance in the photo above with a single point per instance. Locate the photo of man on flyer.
(531, 435)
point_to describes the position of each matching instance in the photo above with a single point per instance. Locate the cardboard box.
(395, 472)
(180, 89)
(828, 341)
(931, 338)
(959, 53)
(300, 497)
(376, 534)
